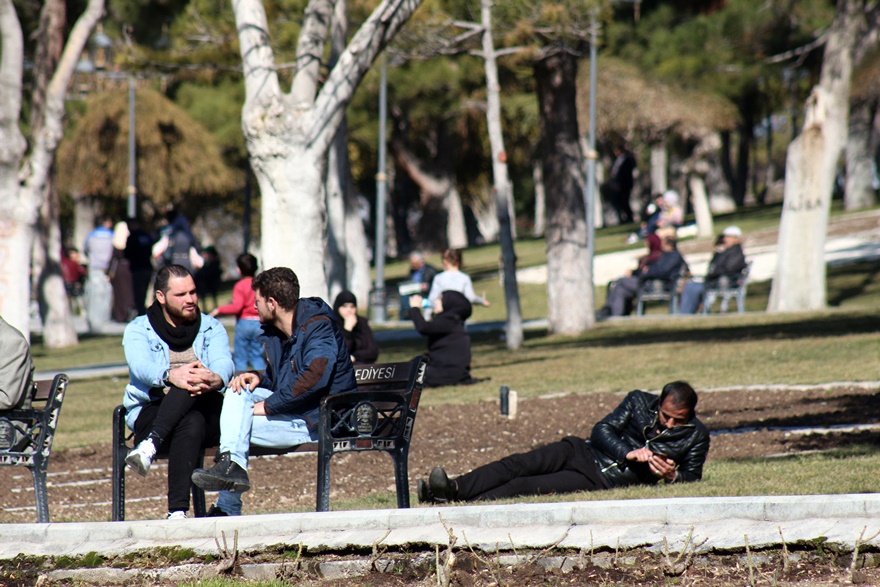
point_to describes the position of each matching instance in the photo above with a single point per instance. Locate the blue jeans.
(239, 428)
(247, 349)
(691, 297)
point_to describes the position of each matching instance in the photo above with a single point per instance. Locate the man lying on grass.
(645, 439)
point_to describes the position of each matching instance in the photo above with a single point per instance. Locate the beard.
(183, 314)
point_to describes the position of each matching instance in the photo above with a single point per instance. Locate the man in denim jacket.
(308, 360)
(178, 360)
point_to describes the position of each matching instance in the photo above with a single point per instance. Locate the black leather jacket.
(625, 429)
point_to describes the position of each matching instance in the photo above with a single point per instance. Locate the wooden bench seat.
(26, 435)
(379, 416)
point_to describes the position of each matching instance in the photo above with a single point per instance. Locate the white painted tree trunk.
(860, 192)
(288, 135)
(22, 189)
(503, 189)
(456, 233)
(540, 197)
(659, 163)
(702, 214)
(811, 164)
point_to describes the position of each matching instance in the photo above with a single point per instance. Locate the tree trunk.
(347, 264)
(702, 214)
(860, 192)
(288, 135)
(799, 282)
(22, 189)
(503, 189)
(659, 165)
(58, 327)
(55, 314)
(570, 301)
(540, 201)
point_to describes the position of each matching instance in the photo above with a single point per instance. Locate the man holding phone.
(645, 439)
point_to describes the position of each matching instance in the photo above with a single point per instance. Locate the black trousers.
(186, 425)
(560, 467)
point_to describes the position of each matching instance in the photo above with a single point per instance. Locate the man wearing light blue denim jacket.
(179, 360)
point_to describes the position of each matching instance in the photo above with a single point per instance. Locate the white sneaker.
(141, 457)
(176, 515)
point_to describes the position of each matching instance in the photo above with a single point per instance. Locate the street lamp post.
(381, 191)
(132, 151)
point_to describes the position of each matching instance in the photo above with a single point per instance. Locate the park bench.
(660, 290)
(379, 416)
(26, 435)
(726, 290)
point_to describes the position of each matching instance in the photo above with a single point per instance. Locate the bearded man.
(178, 360)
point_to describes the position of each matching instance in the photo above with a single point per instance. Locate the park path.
(851, 238)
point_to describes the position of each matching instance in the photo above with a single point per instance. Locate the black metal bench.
(727, 289)
(26, 435)
(378, 416)
(660, 290)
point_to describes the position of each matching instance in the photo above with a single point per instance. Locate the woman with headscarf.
(449, 345)
(120, 277)
(355, 329)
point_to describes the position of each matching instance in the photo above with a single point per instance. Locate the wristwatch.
(165, 377)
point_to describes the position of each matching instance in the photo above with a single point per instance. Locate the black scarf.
(179, 338)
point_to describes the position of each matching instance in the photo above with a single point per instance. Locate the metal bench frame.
(379, 416)
(38, 424)
(660, 290)
(728, 293)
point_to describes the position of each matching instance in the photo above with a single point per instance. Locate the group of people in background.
(110, 277)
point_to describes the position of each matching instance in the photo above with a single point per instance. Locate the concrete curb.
(715, 524)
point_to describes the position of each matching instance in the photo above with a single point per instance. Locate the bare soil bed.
(458, 438)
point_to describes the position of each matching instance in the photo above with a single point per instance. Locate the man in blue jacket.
(308, 360)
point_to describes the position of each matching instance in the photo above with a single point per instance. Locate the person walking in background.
(74, 274)
(355, 329)
(449, 345)
(645, 440)
(248, 349)
(98, 250)
(621, 183)
(452, 278)
(139, 252)
(725, 268)
(178, 245)
(178, 360)
(121, 277)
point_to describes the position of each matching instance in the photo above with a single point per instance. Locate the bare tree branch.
(261, 78)
(310, 49)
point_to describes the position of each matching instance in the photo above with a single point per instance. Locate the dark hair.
(279, 283)
(453, 257)
(164, 275)
(681, 394)
(247, 264)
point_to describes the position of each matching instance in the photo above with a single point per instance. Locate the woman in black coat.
(355, 329)
(449, 346)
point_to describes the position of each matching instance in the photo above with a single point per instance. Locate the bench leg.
(323, 492)
(401, 477)
(39, 474)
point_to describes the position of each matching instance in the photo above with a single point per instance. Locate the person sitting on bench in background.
(725, 268)
(355, 329)
(645, 440)
(16, 367)
(178, 359)
(308, 360)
